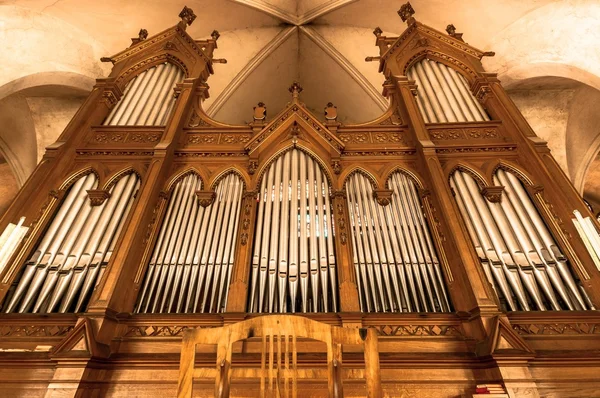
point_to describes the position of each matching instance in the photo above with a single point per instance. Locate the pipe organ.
(190, 268)
(147, 99)
(74, 251)
(443, 94)
(293, 262)
(395, 258)
(443, 226)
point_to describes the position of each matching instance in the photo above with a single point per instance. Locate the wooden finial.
(215, 35)
(295, 89)
(187, 16)
(406, 12)
(331, 112)
(377, 31)
(260, 112)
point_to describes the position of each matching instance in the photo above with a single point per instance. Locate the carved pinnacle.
(215, 35)
(406, 12)
(187, 16)
(378, 32)
(295, 89)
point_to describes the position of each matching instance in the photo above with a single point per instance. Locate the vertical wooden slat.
(186, 367)
(263, 358)
(271, 364)
(294, 368)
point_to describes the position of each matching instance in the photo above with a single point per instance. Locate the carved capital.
(424, 193)
(535, 189)
(249, 194)
(493, 194)
(338, 194)
(206, 198)
(383, 196)
(97, 196)
(110, 96)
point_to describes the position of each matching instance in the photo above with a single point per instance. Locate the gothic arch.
(454, 166)
(214, 181)
(416, 179)
(181, 174)
(112, 180)
(358, 169)
(70, 180)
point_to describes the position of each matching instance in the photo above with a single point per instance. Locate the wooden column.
(238, 289)
(117, 291)
(347, 284)
(469, 288)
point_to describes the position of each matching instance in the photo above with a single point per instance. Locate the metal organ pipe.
(535, 271)
(147, 99)
(65, 265)
(191, 263)
(397, 267)
(443, 94)
(293, 266)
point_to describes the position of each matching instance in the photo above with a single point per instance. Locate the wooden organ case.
(443, 225)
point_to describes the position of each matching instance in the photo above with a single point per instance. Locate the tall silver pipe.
(313, 249)
(228, 255)
(294, 214)
(444, 95)
(283, 264)
(303, 254)
(320, 225)
(262, 194)
(275, 230)
(359, 255)
(329, 227)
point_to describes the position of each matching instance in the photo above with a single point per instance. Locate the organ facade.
(440, 234)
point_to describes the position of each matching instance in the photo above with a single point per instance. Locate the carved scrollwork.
(420, 330)
(206, 198)
(383, 196)
(493, 193)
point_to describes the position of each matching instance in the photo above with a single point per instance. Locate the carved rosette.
(97, 196)
(493, 194)
(206, 198)
(383, 196)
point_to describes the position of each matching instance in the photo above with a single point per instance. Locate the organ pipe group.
(517, 252)
(191, 265)
(394, 256)
(74, 251)
(293, 262)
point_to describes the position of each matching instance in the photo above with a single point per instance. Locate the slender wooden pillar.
(348, 301)
(238, 289)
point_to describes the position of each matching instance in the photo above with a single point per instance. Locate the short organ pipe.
(148, 98)
(443, 94)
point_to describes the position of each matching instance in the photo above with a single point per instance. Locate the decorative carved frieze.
(477, 133)
(84, 152)
(420, 330)
(138, 137)
(575, 328)
(155, 331)
(26, 331)
(504, 148)
(217, 138)
(373, 137)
